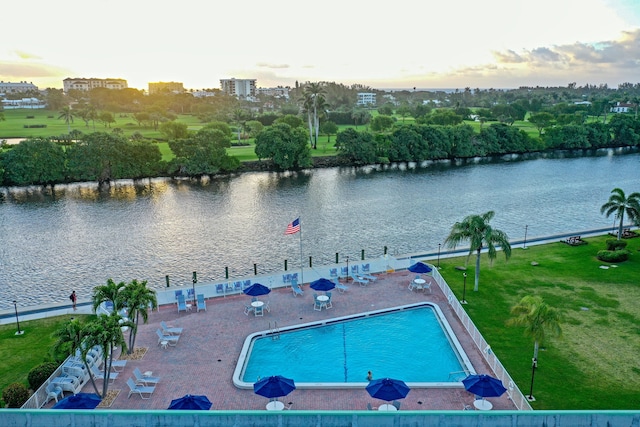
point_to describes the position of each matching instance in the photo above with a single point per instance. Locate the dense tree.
(461, 138)
(598, 134)
(253, 128)
(438, 145)
(291, 120)
(35, 161)
(360, 116)
(356, 147)
(386, 109)
(381, 123)
(620, 204)
(174, 130)
(541, 121)
(567, 137)
(55, 99)
(625, 130)
(203, 153)
(221, 126)
(106, 118)
(477, 230)
(538, 318)
(407, 144)
(443, 117)
(329, 128)
(286, 146)
(404, 111)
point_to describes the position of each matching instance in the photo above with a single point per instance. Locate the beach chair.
(170, 330)
(248, 308)
(365, 268)
(333, 272)
(357, 279)
(344, 271)
(141, 379)
(178, 293)
(317, 305)
(369, 277)
(182, 304)
(172, 340)
(294, 276)
(246, 284)
(118, 365)
(328, 304)
(190, 294)
(286, 278)
(339, 286)
(201, 304)
(354, 269)
(219, 288)
(296, 289)
(139, 389)
(101, 375)
(237, 286)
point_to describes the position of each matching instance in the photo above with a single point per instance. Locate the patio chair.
(286, 278)
(328, 304)
(248, 308)
(139, 389)
(189, 294)
(219, 288)
(237, 286)
(172, 340)
(182, 304)
(259, 311)
(170, 330)
(344, 271)
(426, 287)
(178, 293)
(333, 272)
(370, 408)
(141, 379)
(397, 404)
(354, 269)
(54, 391)
(296, 289)
(339, 286)
(201, 304)
(294, 276)
(317, 305)
(101, 375)
(246, 284)
(229, 287)
(365, 268)
(266, 306)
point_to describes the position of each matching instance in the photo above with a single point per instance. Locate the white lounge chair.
(100, 375)
(170, 330)
(170, 339)
(339, 286)
(141, 379)
(139, 389)
(360, 280)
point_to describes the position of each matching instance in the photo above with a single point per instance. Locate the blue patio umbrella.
(79, 401)
(274, 386)
(190, 401)
(322, 284)
(483, 385)
(388, 389)
(256, 290)
(420, 267)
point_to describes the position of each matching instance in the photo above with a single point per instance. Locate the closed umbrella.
(256, 290)
(388, 389)
(191, 401)
(322, 284)
(79, 401)
(420, 268)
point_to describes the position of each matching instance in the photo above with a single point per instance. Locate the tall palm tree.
(315, 92)
(538, 318)
(476, 229)
(619, 204)
(138, 299)
(111, 292)
(67, 114)
(106, 332)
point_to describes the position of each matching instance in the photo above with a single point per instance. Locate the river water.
(78, 236)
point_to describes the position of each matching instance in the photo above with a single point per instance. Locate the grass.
(21, 353)
(594, 364)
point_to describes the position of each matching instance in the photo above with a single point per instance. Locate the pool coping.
(464, 360)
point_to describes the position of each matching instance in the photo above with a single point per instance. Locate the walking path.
(205, 357)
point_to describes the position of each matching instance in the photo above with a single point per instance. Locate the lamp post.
(15, 306)
(195, 280)
(439, 244)
(464, 289)
(524, 245)
(347, 279)
(534, 365)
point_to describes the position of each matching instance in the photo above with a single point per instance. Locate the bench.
(574, 241)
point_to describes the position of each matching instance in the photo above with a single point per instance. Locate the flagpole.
(301, 263)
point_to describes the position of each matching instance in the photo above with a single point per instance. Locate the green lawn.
(594, 364)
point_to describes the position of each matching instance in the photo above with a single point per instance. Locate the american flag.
(293, 227)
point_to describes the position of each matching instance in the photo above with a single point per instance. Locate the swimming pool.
(413, 343)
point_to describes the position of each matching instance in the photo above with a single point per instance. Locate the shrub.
(34, 126)
(15, 395)
(49, 117)
(38, 375)
(613, 256)
(615, 244)
(31, 117)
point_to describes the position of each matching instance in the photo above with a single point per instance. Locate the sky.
(384, 45)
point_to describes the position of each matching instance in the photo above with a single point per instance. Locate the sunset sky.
(399, 44)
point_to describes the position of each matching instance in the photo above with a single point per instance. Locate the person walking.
(73, 297)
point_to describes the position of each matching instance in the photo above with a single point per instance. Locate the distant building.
(33, 103)
(160, 87)
(366, 98)
(622, 107)
(276, 92)
(204, 93)
(242, 88)
(92, 83)
(8, 87)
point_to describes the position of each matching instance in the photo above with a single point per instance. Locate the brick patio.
(206, 355)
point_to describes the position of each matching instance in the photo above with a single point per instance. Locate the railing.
(519, 400)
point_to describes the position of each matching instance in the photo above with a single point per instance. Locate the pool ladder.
(275, 331)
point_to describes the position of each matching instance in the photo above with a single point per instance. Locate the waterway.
(78, 236)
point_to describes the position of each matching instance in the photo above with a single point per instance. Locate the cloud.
(273, 66)
(25, 55)
(40, 74)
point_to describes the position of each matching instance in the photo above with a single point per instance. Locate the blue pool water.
(408, 344)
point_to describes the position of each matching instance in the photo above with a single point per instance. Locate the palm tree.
(67, 115)
(620, 204)
(111, 292)
(476, 229)
(538, 318)
(106, 332)
(314, 92)
(138, 299)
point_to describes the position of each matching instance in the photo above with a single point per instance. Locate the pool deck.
(205, 357)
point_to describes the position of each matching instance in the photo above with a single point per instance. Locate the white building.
(277, 92)
(9, 87)
(13, 104)
(80, 83)
(366, 98)
(622, 107)
(242, 88)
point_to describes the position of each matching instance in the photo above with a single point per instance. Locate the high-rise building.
(239, 87)
(80, 83)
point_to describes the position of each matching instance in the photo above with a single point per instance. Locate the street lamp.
(534, 365)
(195, 280)
(464, 289)
(524, 245)
(15, 305)
(347, 279)
(439, 255)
